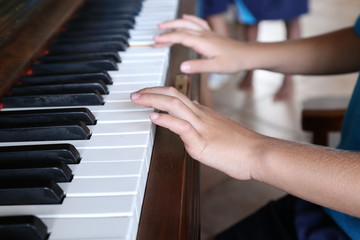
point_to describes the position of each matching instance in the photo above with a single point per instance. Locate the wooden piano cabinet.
(26, 44)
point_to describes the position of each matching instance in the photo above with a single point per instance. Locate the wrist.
(250, 57)
(261, 158)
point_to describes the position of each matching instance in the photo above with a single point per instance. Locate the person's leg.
(286, 90)
(213, 11)
(219, 24)
(251, 34)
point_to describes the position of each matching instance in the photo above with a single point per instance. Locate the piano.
(78, 160)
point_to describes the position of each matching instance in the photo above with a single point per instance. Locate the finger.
(170, 104)
(161, 45)
(198, 21)
(183, 128)
(170, 91)
(185, 37)
(188, 38)
(181, 24)
(200, 66)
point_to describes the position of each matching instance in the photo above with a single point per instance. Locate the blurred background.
(224, 201)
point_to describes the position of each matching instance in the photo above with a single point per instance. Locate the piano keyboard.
(103, 200)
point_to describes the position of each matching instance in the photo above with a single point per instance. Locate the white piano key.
(121, 92)
(110, 228)
(107, 169)
(77, 207)
(135, 70)
(86, 187)
(106, 129)
(123, 79)
(145, 51)
(113, 154)
(142, 66)
(122, 117)
(97, 141)
(143, 59)
(119, 106)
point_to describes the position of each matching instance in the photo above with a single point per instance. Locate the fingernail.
(135, 95)
(185, 67)
(154, 115)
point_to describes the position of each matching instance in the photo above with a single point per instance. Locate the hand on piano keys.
(221, 54)
(209, 137)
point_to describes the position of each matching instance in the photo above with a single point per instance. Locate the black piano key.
(44, 132)
(92, 38)
(86, 86)
(66, 78)
(103, 17)
(73, 67)
(30, 192)
(100, 25)
(23, 227)
(48, 170)
(80, 56)
(102, 8)
(119, 11)
(50, 152)
(110, 4)
(54, 100)
(95, 32)
(67, 115)
(107, 46)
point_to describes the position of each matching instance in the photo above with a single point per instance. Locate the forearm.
(324, 176)
(337, 52)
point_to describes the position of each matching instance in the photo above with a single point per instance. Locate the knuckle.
(172, 91)
(175, 103)
(186, 127)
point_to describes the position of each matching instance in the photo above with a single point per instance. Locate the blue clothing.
(213, 7)
(244, 15)
(250, 12)
(276, 9)
(350, 140)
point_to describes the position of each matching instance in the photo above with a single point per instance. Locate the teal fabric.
(350, 140)
(243, 13)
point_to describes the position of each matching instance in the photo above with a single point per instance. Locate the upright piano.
(78, 160)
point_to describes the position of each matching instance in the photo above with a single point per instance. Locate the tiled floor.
(225, 201)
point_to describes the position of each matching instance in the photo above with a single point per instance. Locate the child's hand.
(210, 138)
(189, 22)
(220, 55)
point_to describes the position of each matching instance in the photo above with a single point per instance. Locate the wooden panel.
(17, 54)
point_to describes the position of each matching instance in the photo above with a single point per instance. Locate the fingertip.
(161, 25)
(135, 95)
(185, 67)
(154, 116)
